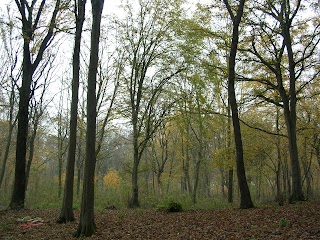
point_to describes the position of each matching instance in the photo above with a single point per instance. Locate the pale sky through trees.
(66, 45)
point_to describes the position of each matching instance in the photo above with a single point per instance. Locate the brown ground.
(259, 223)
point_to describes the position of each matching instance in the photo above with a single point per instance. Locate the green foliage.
(171, 205)
(174, 207)
(283, 223)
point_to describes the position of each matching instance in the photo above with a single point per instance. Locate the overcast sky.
(110, 6)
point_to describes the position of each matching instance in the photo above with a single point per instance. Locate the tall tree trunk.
(134, 202)
(291, 120)
(196, 180)
(80, 158)
(60, 149)
(223, 182)
(230, 186)
(31, 151)
(87, 224)
(279, 196)
(66, 213)
(306, 164)
(28, 69)
(230, 172)
(186, 161)
(19, 189)
(245, 197)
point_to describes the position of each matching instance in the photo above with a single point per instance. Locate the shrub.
(174, 206)
(171, 206)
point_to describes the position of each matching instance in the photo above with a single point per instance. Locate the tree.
(9, 81)
(108, 77)
(87, 225)
(148, 37)
(38, 105)
(245, 197)
(291, 62)
(29, 28)
(66, 214)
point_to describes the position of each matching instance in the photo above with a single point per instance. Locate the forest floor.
(297, 221)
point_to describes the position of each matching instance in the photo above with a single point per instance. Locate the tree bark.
(19, 189)
(31, 147)
(230, 172)
(245, 197)
(87, 225)
(66, 214)
(291, 119)
(134, 202)
(230, 186)
(28, 69)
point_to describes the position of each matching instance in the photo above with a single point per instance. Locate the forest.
(172, 105)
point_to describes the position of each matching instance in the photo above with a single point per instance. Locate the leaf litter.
(297, 221)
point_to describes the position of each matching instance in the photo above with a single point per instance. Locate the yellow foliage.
(112, 179)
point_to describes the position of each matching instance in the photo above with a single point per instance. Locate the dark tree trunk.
(230, 172)
(230, 186)
(279, 197)
(19, 189)
(80, 158)
(87, 225)
(66, 214)
(134, 202)
(291, 119)
(28, 69)
(223, 182)
(245, 197)
(31, 150)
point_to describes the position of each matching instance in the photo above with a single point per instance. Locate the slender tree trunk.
(186, 163)
(170, 174)
(60, 153)
(7, 148)
(87, 224)
(31, 152)
(66, 214)
(78, 180)
(306, 164)
(159, 183)
(279, 196)
(222, 182)
(134, 202)
(80, 159)
(196, 180)
(230, 172)
(245, 197)
(230, 186)
(12, 120)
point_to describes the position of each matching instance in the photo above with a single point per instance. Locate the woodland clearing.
(294, 221)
